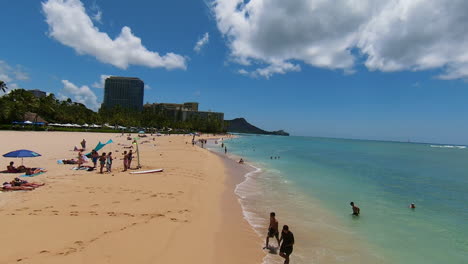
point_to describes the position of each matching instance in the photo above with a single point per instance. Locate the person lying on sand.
(12, 169)
(70, 161)
(9, 187)
(31, 171)
(18, 182)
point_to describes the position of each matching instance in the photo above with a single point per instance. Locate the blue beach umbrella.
(22, 153)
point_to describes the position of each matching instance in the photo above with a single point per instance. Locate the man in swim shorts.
(356, 210)
(287, 246)
(272, 230)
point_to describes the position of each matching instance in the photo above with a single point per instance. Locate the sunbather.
(70, 161)
(9, 187)
(31, 171)
(12, 169)
(18, 182)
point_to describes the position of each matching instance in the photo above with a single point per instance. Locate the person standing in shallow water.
(286, 248)
(356, 210)
(272, 230)
(225, 150)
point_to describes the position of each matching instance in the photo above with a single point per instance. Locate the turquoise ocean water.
(311, 184)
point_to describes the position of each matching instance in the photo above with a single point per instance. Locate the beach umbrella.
(141, 132)
(22, 153)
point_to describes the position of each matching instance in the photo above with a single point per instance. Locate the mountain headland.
(240, 125)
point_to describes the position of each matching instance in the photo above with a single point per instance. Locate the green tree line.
(15, 104)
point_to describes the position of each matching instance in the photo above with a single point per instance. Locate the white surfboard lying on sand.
(146, 171)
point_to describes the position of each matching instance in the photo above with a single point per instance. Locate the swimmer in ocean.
(412, 206)
(356, 210)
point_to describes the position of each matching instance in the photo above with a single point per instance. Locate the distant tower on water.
(127, 92)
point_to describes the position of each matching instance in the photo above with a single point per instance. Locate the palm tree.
(3, 86)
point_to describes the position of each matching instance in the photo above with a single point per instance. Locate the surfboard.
(146, 171)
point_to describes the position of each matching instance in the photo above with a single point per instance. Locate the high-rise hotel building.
(124, 91)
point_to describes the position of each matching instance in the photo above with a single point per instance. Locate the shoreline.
(317, 233)
(234, 219)
(187, 213)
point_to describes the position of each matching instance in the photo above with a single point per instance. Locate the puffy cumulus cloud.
(81, 94)
(390, 35)
(202, 42)
(100, 84)
(70, 25)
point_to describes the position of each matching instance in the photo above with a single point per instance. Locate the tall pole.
(138, 153)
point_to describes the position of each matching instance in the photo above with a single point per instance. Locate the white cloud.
(390, 35)
(100, 84)
(70, 25)
(147, 87)
(10, 75)
(13, 86)
(97, 16)
(243, 72)
(81, 94)
(202, 42)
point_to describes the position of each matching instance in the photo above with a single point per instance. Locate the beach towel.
(32, 175)
(79, 168)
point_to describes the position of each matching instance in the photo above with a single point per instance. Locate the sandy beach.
(186, 214)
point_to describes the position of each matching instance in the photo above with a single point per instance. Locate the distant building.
(183, 112)
(38, 93)
(124, 91)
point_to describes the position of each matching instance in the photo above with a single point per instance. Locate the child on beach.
(102, 161)
(80, 159)
(109, 162)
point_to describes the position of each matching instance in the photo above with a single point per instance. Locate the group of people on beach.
(105, 160)
(28, 171)
(285, 241)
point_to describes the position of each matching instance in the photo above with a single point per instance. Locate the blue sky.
(376, 71)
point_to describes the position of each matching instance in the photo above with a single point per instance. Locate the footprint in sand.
(116, 202)
(73, 205)
(95, 205)
(44, 251)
